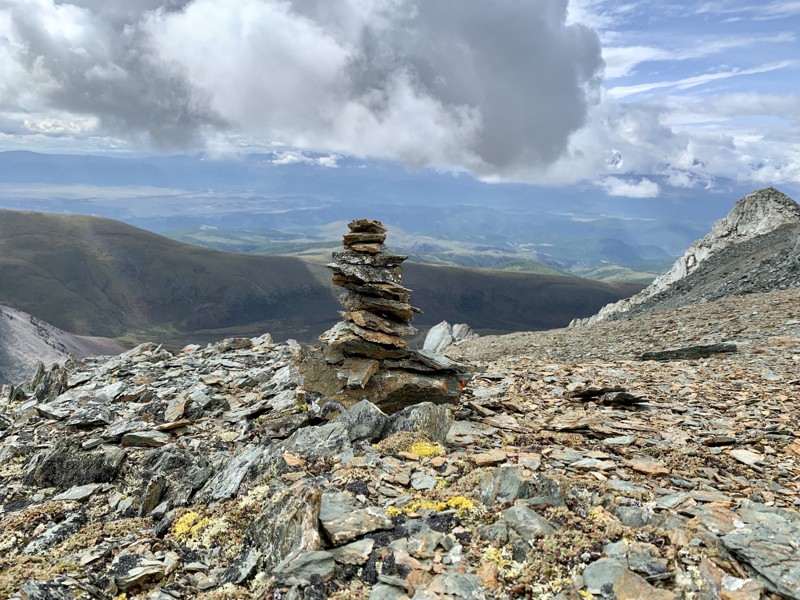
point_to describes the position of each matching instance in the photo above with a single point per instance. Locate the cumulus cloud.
(618, 186)
(445, 83)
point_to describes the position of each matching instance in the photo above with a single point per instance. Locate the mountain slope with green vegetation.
(96, 276)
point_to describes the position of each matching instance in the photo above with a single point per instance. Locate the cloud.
(696, 80)
(621, 61)
(760, 11)
(617, 186)
(443, 83)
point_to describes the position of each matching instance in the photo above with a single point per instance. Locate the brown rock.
(367, 248)
(369, 320)
(631, 586)
(341, 337)
(487, 459)
(363, 238)
(366, 226)
(380, 306)
(648, 467)
(359, 371)
(377, 337)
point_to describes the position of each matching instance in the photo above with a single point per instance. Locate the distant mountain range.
(98, 277)
(261, 204)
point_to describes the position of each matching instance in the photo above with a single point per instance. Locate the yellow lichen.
(462, 504)
(426, 449)
(506, 566)
(459, 503)
(189, 526)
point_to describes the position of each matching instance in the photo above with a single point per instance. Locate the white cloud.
(621, 61)
(617, 186)
(294, 157)
(443, 84)
(694, 81)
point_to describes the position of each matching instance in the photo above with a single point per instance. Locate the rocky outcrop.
(365, 356)
(443, 334)
(26, 341)
(767, 215)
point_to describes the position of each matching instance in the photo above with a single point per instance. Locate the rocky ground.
(569, 469)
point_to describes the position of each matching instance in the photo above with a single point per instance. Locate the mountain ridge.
(765, 217)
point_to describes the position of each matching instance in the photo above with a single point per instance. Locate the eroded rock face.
(757, 214)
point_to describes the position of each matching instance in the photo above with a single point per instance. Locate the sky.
(632, 97)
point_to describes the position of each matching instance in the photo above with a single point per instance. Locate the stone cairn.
(367, 348)
(378, 310)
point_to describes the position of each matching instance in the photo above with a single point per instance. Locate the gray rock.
(147, 439)
(504, 484)
(242, 568)
(768, 544)
(439, 337)
(639, 557)
(431, 420)
(526, 522)
(426, 541)
(364, 420)
(354, 553)
(131, 570)
(55, 534)
(359, 371)
(689, 352)
(382, 591)
(152, 495)
(226, 483)
(66, 465)
(78, 492)
(423, 481)
(634, 516)
(461, 586)
(185, 472)
(45, 590)
(287, 523)
(602, 573)
(331, 439)
(442, 335)
(303, 567)
(343, 520)
(90, 416)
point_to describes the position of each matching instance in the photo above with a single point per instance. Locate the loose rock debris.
(214, 473)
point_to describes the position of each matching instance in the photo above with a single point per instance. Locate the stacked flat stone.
(364, 356)
(378, 312)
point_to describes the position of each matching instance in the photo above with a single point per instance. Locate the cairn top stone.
(367, 226)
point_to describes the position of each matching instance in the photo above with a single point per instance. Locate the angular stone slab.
(768, 544)
(343, 519)
(382, 259)
(367, 226)
(690, 352)
(370, 320)
(342, 338)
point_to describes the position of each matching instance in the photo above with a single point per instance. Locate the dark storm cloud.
(495, 87)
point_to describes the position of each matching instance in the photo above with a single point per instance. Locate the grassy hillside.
(96, 276)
